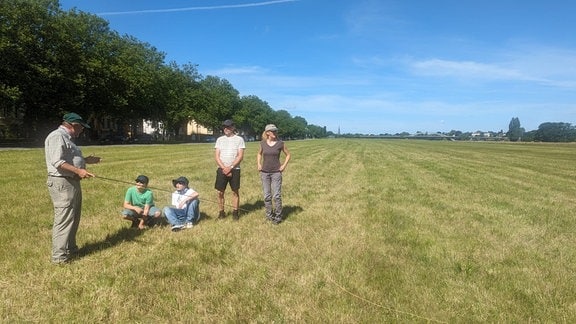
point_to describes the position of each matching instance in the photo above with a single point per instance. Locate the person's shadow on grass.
(290, 210)
(287, 210)
(203, 217)
(125, 234)
(249, 207)
(122, 235)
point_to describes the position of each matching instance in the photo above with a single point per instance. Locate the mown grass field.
(376, 231)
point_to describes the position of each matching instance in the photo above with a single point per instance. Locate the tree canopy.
(54, 61)
(515, 132)
(555, 132)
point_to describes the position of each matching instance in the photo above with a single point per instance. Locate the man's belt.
(74, 177)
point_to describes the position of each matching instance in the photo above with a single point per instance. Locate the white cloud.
(373, 17)
(527, 63)
(466, 70)
(257, 77)
(238, 70)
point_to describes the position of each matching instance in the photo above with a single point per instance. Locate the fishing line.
(326, 274)
(164, 190)
(357, 296)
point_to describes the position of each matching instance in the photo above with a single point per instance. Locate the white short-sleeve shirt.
(229, 147)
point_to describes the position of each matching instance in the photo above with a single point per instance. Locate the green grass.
(377, 231)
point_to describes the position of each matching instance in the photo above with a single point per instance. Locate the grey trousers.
(66, 195)
(272, 188)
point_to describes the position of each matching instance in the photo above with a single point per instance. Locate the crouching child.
(139, 204)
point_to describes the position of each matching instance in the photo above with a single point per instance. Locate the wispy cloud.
(542, 68)
(373, 17)
(259, 77)
(230, 6)
(238, 70)
(466, 69)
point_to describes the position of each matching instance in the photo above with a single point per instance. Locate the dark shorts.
(222, 181)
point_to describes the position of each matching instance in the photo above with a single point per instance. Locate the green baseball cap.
(75, 118)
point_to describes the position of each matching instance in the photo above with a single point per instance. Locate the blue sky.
(374, 66)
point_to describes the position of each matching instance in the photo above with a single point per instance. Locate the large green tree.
(315, 131)
(253, 115)
(54, 61)
(555, 132)
(515, 131)
(220, 101)
(28, 50)
(182, 95)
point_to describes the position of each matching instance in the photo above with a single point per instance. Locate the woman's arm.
(259, 159)
(286, 159)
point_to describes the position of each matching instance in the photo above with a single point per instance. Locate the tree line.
(546, 132)
(54, 61)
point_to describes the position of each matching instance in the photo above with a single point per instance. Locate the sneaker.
(176, 228)
(189, 225)
(222, 214)
(235, 215)
(135, 223)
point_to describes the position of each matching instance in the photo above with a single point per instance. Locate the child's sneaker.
(189, 225)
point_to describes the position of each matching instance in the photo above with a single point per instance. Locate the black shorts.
(222, 180)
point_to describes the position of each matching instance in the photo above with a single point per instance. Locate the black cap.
(142, 179)
(181, 180)
(228, 123)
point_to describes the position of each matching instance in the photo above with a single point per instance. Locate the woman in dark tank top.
(270, 168)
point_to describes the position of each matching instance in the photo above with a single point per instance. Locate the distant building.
(189, 130)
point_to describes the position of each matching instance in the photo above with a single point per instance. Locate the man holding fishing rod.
(66, 167)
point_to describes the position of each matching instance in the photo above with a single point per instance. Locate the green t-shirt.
(137, 198)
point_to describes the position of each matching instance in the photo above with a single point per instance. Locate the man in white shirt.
(228, 155)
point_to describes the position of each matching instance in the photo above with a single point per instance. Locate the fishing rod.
(164, 190)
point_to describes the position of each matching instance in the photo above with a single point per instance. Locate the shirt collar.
(65, 130)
